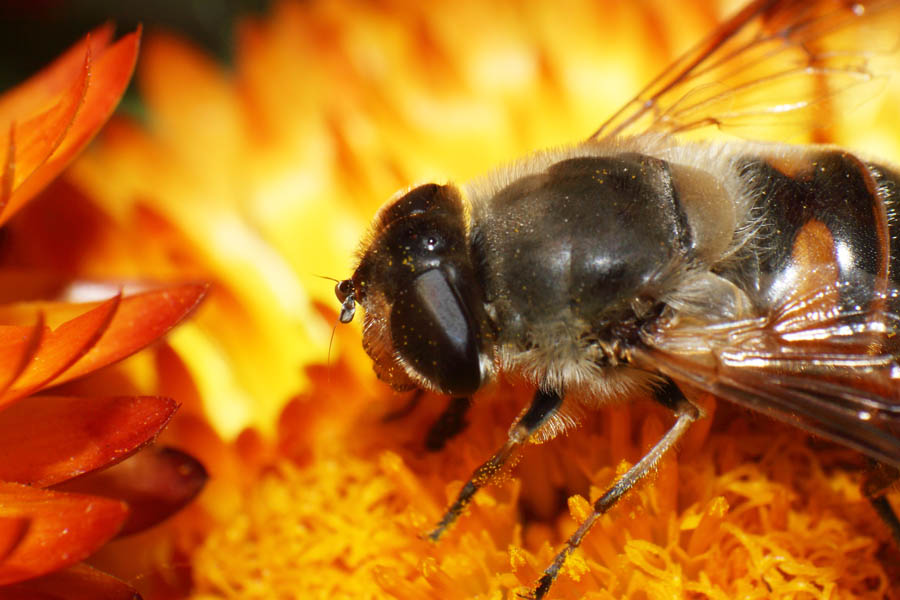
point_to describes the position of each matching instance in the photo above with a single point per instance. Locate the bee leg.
(543, 406)
(451, 422)
(887, 514)
(878, 480)
(686, 413)
(406, 409)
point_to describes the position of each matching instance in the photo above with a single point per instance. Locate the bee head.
(425, 322)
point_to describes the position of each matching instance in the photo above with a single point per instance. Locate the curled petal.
(56, 350)
(154, 483)
(63, 529)
(139, 320)
(49, 439)
(89, 336)
(45, 123)
(78, 582)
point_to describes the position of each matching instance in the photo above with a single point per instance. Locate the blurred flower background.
(255, 145)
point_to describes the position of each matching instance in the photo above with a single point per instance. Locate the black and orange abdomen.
(823, 226)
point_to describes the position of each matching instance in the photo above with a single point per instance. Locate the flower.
(257, 179)
(56, 508)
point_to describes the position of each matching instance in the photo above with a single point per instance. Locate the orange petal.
(154, 483)
(46, 142)
(65, 233)
(58, 349)
(17, 285)
(63, 530)
(48, 439)
(28, 143)
(78, 582)
(47, 84)
(90, 336)
(18, 345)
(192, 100)
(139, 320)
(12, 532)
(8, 165)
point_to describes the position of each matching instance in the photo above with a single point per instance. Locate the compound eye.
(434, 332)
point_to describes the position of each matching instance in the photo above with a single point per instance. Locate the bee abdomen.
(818, 221)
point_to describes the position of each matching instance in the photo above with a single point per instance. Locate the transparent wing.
(777, 61)
(833, 373)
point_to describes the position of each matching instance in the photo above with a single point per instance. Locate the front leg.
(450, 424)
(543, 406)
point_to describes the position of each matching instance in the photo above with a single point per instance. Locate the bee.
(638, 260)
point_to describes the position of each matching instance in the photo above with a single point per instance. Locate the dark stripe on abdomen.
(830, 188)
